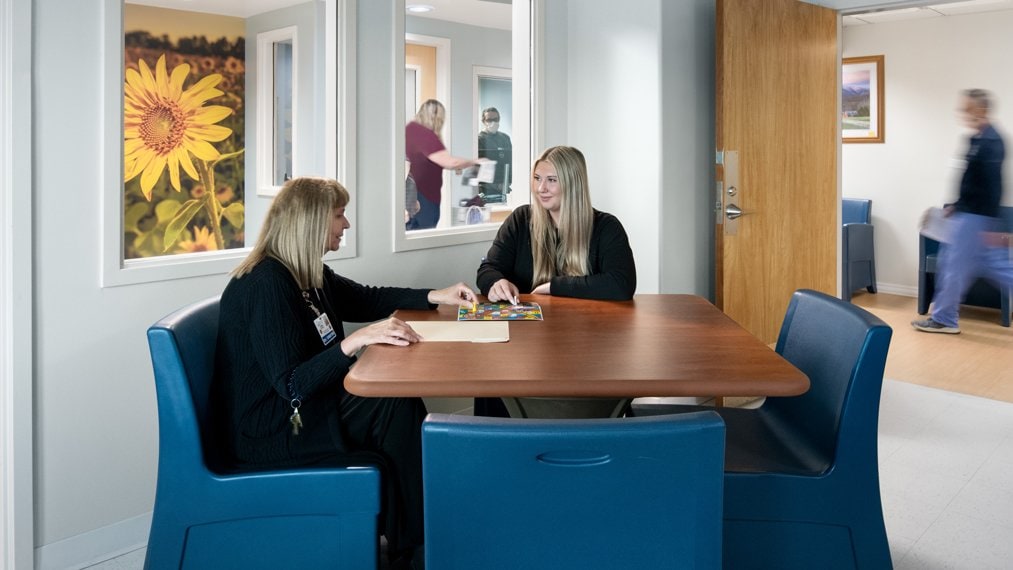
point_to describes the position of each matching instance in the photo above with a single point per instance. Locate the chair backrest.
(842, 348)
(587, 493)
(856, 211)
(183, 357)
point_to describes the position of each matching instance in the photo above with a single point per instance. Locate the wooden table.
(654, 345)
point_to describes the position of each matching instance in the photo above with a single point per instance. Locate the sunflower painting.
(183, 132)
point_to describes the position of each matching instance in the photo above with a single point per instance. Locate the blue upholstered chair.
(573, 493)
(802, 473)
(858, 255)
(982, 292)
(205, 517)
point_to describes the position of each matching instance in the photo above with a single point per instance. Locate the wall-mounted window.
(210, 127)
(492, 61)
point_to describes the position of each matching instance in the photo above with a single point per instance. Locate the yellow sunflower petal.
(179, 75)
(206, 83)
(173, 164)
(132, 145)
(183, 157)
(147, 79)
(211, 115)
(201, 149)
(151, 174)
(161, 77)
(195, 101)
(212, 133)
(139, 160)
(131, 132)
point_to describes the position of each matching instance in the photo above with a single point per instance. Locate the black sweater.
(613, 274)
(267, 340)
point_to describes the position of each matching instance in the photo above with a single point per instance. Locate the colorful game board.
(501, 312)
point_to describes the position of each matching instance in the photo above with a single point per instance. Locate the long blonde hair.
(297, 229)
(432, 115)
(563, 250)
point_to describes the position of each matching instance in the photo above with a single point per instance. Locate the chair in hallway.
(858, 255)
(208, 517)
(802, 472)
(505, 493)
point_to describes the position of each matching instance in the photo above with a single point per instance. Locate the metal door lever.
(732, 211)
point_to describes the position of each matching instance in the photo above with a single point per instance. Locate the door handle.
(732, 211)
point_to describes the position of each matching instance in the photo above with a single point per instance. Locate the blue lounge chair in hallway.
(508, 493)
(802, 472)
(858, 249)
(207, 517)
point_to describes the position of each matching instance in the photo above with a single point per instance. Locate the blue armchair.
(207, 517)
(858, 255)
(573, 493)
(981, 294)
(802, 473)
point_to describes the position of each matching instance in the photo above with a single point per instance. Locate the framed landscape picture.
(862, 99)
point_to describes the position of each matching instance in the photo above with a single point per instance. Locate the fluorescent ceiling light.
(419, 8)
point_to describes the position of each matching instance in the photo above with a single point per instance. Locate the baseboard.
(893, 289)
(95, 546)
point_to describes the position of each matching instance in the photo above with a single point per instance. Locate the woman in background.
(428, 156)
(283, 354)
(559, 245)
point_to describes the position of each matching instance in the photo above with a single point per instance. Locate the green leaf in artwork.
(183, 217)
(167, 210)
(235, 213)
(133, 215)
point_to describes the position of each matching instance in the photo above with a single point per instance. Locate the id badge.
(324, 328)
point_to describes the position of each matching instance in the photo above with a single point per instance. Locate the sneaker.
(928, 325)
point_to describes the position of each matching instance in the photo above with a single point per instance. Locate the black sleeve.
(502, 256)
(613, 272)
(285, 342)
(357, 303)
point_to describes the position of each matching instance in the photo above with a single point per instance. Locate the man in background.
(976, 247)
(495, 145)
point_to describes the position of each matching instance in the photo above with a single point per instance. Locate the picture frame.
(862, 96)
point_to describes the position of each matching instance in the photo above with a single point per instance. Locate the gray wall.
(95, 422)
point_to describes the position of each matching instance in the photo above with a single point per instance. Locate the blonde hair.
(296, 230)
(432, 115)
(563, 250)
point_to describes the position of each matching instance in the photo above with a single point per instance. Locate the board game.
(501, 312)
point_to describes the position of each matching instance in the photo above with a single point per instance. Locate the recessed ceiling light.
(419, 8)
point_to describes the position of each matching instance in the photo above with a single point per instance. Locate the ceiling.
(484, 13)
(919, 12)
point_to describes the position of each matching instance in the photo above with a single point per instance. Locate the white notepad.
(462, 331)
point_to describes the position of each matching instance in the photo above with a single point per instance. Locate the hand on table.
(460, 295)
(388, 331)
(543, 289)
(503, 290)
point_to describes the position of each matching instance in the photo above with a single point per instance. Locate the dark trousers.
(427, 217)
(490, 408)
(391, 428)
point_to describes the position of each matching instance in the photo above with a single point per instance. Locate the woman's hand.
(543, 289)
(503, 290)
(388, 331)
(460, 295)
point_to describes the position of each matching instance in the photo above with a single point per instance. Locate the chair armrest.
(858, 241)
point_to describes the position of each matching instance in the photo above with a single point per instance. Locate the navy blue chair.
(206, 517)
(982, 292)
(802, 472)
(572, 493)
(858, 255)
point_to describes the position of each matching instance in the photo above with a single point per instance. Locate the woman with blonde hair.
(559, 245)
(283, 354)
(425, 151)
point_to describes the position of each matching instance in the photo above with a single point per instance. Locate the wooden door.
(776, 112)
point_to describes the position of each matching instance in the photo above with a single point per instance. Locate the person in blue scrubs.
(976, 247)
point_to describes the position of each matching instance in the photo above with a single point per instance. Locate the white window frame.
(266, 137)
(339, 145)
(526, 66)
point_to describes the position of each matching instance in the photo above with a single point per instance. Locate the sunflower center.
(162, 127)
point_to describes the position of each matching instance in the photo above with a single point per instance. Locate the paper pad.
(457, 331)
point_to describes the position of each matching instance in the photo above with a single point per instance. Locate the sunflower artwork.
(182, 120)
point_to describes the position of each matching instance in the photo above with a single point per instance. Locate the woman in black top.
(559, 245)
(282, 357)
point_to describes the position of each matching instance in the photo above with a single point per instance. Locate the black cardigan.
(267, 340)
(613, 273)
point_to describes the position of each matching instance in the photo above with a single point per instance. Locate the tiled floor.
(945, 466)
